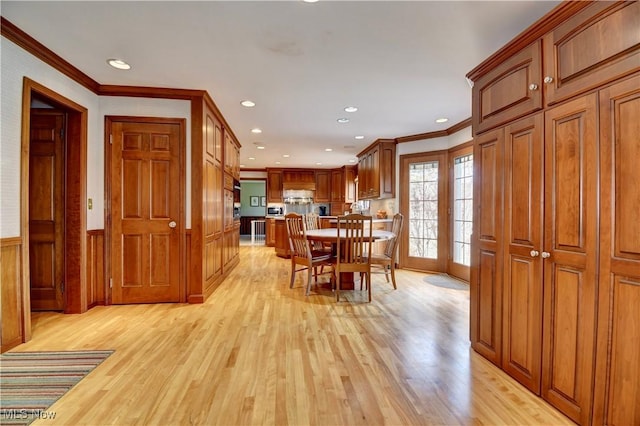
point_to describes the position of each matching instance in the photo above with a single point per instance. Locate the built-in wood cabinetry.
(274, 186)
(324, 188)
(281, 238)
(231, 156)
(270, 232)
(554, 276)
(377, 170)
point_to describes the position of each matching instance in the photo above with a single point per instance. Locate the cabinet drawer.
(599, 44)
(510, 90)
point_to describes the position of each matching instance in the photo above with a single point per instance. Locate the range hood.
(299, 186)
(297, 196)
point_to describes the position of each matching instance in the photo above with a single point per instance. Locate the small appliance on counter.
(275, 211)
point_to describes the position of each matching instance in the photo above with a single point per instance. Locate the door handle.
(172, 224)
(534, 253)
(546, 255)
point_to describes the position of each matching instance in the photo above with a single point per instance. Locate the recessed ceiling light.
(328, 149)
(318, 164)
(119, 64)
(442, 120)
(256, 130)
(351, 109)
(252, 158)
(342, 120)
(248, 104)
(352, 161)
(277, 162)
(309, 1)
(359, 137)
(285, 155)
(241, 165)
(260, 147)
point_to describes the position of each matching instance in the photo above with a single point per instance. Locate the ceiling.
(402, 63)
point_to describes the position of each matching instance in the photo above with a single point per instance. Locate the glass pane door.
(422, 201)
(462, 208)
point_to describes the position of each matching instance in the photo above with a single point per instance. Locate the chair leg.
(369, 284)
(393, 275)
(337, 286)
(293, 273)
(386, 272)
(309, 274)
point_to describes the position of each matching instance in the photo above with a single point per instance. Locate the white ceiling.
(403, 64)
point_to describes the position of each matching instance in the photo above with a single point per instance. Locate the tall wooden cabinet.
(555, 243)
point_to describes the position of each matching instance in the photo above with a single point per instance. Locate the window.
(462, 208)
(423, 210)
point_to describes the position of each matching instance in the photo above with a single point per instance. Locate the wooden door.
(423, 203)
(522, 279)
(570, 255)
(617, 388)
(486, 246)
(46, 210)
(145, 211)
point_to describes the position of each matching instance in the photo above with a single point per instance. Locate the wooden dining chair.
(385, 263)
(302, 254)
(354, 242)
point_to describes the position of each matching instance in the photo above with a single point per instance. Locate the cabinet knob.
(548, 79)
(546, 255)
(172, 224)
(533, 86)
(534, 253)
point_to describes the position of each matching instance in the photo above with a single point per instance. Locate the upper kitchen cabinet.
(510, 90)
(343, 186)
(377, 170)
(299, 179)
(592, 47)
(231, 156)
(274, 185)
(323, 186)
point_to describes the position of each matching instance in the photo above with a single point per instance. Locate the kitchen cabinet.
(323, 186)
(231, 156)
(299, 179)
(274, 185)
(552, 197)
(270, 232)
(376, 170)
(282, 238)
(337, 178)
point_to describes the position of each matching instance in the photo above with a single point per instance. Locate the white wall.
(15, 64)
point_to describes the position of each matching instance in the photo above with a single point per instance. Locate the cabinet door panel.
(504, 93)
(570, 271)
(522, 318)
(596, 45)
(486, 247)
(617, 389)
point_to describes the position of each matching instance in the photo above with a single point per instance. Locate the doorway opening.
(53, 192)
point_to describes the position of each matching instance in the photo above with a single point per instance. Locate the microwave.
(274, 211)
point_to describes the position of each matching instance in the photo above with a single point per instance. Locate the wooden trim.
(374, 143)
(10, 241)
(454, 149)
(40, 51)
(253, 170)
(148, 92)
(212, 105)
(437, 134)
(97, 288)
(535, 31)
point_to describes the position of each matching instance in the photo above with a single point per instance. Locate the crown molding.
(148, 92)
(438, 134)
(9, 31)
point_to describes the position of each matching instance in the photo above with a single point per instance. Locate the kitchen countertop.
(332, 219)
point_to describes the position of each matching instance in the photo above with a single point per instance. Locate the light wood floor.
(258, 352)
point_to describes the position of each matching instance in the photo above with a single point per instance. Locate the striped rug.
(31, 381)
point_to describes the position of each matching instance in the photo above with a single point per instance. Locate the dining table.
(330, 235)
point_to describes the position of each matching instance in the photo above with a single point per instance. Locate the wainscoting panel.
(12, 299)
(97, 291)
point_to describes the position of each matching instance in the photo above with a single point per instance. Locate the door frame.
(108, 122)
(75, 249)
(440, 264)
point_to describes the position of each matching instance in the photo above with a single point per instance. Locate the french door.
(423, 189)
